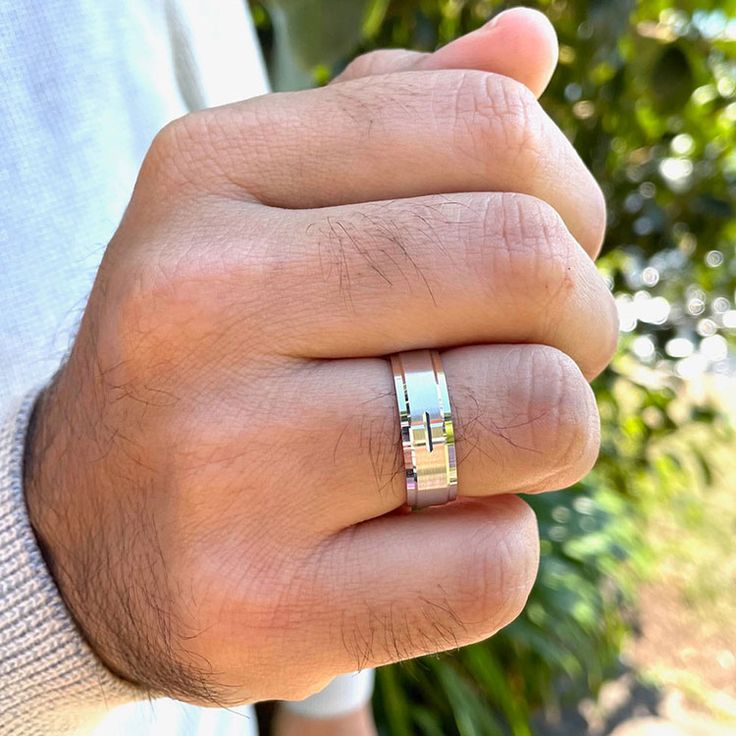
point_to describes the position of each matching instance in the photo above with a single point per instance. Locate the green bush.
(647, 92)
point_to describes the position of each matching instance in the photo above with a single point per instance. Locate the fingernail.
(493, 22)
(496, 19)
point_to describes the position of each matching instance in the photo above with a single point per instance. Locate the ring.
(427, 433)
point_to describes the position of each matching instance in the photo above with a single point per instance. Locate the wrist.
(54, 482)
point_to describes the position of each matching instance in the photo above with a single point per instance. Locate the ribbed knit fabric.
(51, 681)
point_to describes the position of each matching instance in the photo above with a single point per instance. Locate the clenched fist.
(216, 472)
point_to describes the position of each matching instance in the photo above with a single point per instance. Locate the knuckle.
(168, 293)
(518, 111)
(168, 140)
(536, 253)
(149, 309)
(168, 152)
(496, 108)
(148, 295)
(181, 152)
(537, 249)
(565, 412)
(503, 559)
(125, 319)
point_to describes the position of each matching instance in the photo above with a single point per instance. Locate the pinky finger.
(428, 582)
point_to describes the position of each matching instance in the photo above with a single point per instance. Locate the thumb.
(519, 43)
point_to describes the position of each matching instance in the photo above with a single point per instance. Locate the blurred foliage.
(647, 92)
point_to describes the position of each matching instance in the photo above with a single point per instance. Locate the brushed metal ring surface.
(427, 432)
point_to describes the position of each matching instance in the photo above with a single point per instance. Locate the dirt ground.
(677, 644)
(680, 678)
(679, 671)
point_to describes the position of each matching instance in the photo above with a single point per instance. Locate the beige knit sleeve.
(51, 683)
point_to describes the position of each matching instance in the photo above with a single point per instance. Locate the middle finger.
(442, 271)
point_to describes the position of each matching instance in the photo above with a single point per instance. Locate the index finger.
(400, 135)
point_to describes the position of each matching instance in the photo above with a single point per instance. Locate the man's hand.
(213, 474)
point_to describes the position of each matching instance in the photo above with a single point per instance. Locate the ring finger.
(525, 421)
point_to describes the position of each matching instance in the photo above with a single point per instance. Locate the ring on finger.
(427, 432)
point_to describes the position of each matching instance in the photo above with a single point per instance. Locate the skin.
(215, 475)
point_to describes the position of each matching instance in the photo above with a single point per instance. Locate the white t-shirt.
(84, 87)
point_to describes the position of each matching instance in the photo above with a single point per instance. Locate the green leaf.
(310, 33)
(671, 80)
(396, 708)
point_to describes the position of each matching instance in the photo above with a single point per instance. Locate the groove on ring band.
(427, 431)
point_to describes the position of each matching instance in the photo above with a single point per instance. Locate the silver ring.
(427, 433)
